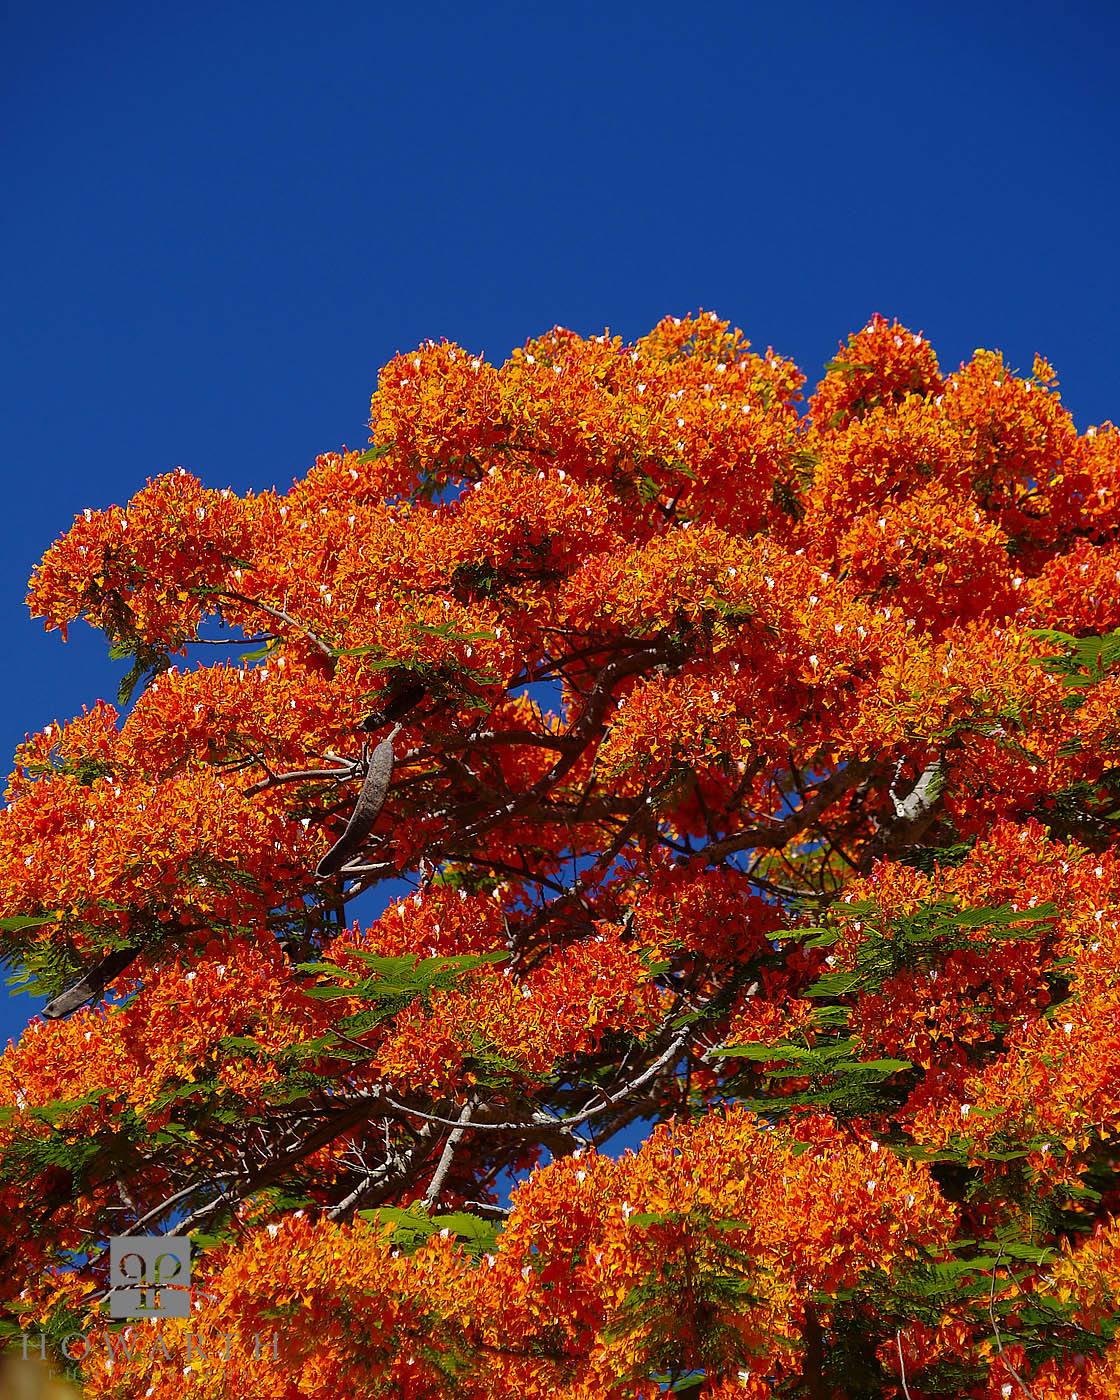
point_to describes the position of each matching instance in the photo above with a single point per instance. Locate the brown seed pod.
(370, 801)
(91, 985)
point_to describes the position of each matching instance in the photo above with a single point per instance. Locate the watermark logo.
(149, 1276)
(79, 1350)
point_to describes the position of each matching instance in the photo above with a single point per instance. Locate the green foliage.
(374, 454)
(837, 1078)
(785, 498)
(840, 1079)
(836, 1057)
(394, 983)
(700, 1263)
(86, 769)
(471, 878)
(479, 578)
(147, 663)
(847, 369)
(921, 940)
(47, 1139)
(20, 923)
(1085, 811)
(927, 859)
(414, 1224)
(1082, 663)
(42, 969)
(390, 986)
(64, 1322)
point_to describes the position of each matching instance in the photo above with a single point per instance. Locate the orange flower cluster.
(550, 1311)
(756, 767)
(563, 1008)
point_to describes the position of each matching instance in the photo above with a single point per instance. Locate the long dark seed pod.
(92, 984)
(370, 801)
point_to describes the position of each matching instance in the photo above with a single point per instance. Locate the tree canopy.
(755, 767)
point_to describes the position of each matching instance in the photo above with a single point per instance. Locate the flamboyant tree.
(756, 773)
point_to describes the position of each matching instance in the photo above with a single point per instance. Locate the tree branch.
(281, 616)
(453, 1139)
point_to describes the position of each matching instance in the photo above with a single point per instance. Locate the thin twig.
(902, 1364)
(231, 641)
(399, 1162)
(488, 1209)
(165, 1205)
(999, 1340)
(774, 835)
(281, 616)
(538, 1121)
(595, 705)
(303, 775)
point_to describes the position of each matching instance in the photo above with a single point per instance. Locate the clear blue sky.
(217, 222)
